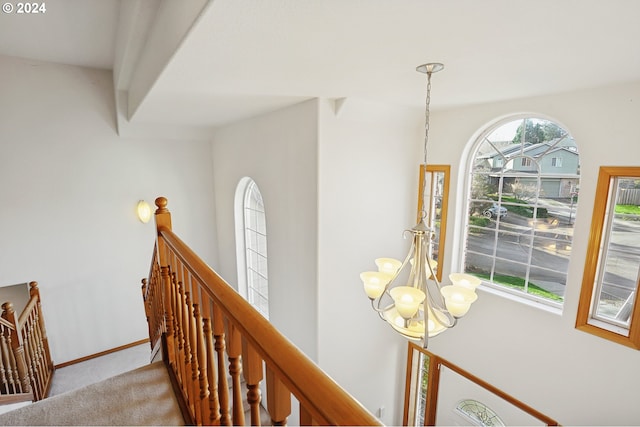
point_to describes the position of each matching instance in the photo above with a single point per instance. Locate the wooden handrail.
(200, 299)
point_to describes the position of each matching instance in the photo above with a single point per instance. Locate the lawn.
(526, 211)
(518, 283)
(628, 209)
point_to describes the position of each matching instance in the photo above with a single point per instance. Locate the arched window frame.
(524, 161)
(251, 245)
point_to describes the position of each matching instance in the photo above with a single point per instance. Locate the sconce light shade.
(144, 211)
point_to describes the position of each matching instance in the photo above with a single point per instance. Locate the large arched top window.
(251, 236)
(522, 193)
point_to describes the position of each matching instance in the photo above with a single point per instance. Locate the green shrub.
(479, 221)
(526, 210)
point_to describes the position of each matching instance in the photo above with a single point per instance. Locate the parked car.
(494, 211)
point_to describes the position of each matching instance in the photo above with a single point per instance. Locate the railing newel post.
(163, 220)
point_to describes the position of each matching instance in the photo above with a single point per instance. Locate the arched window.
(251, 236)
(477, 413)
(523, 181)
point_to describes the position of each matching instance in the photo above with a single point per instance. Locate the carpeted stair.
(140, 397)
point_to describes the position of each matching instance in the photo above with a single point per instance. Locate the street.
(545, 245)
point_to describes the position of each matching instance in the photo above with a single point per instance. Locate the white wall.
(279, 152)
(69, 190)
(537, 356)
(368, 185)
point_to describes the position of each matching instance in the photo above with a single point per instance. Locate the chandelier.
(407, 294)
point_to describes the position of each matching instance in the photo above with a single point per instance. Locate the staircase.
(26, 367)
(216, 352)
(143, 396)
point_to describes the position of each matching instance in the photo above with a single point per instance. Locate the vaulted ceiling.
(200, 64)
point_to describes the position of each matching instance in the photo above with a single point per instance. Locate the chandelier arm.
(439, 304)
(435, 306)
(378, 309)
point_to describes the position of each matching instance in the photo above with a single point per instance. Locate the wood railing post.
(163, 220)
(212, 375)
(195, 363)
(252, 370)
(16, 346)
(220, 348)
(234, 351)
(279, 401)
(148, 310)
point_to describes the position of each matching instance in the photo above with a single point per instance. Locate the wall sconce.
(144, 211)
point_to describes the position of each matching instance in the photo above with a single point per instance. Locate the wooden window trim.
(605, 175)
(435, 362)
(445, 170)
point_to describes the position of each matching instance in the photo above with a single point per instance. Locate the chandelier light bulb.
(465, 280)
(374, 283)
(407, 300)
(388, 265)
(458, 299)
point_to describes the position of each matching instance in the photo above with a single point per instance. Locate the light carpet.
(140, 397)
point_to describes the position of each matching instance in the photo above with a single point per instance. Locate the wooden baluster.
(220, 346)
(252, 369)
(14, 380)
(305, 417)
(38, 349)
(147, 311)
(235, 369)
(179, 339)
(41, 342)
(186, 324)
(278, 400)
(31, 342)
(20, 369)
(159, 311)
(4, 349)
(195, 328)
(168, 313)
(195, 363)
(203, 366)
(157, 307)
(214, 404)
(35, 292)
(31, 357)
(8, 376)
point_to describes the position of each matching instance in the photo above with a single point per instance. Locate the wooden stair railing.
(26, 367)
(210, 333)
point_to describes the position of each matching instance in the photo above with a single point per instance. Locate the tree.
(524, 192)
(538, 132)
(552, 131)
(533, 134)
(481, 185)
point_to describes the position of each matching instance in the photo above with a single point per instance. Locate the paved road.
(548, 249)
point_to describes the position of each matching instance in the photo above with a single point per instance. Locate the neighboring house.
(557, 161)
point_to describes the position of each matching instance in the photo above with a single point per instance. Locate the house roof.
(531, 150)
